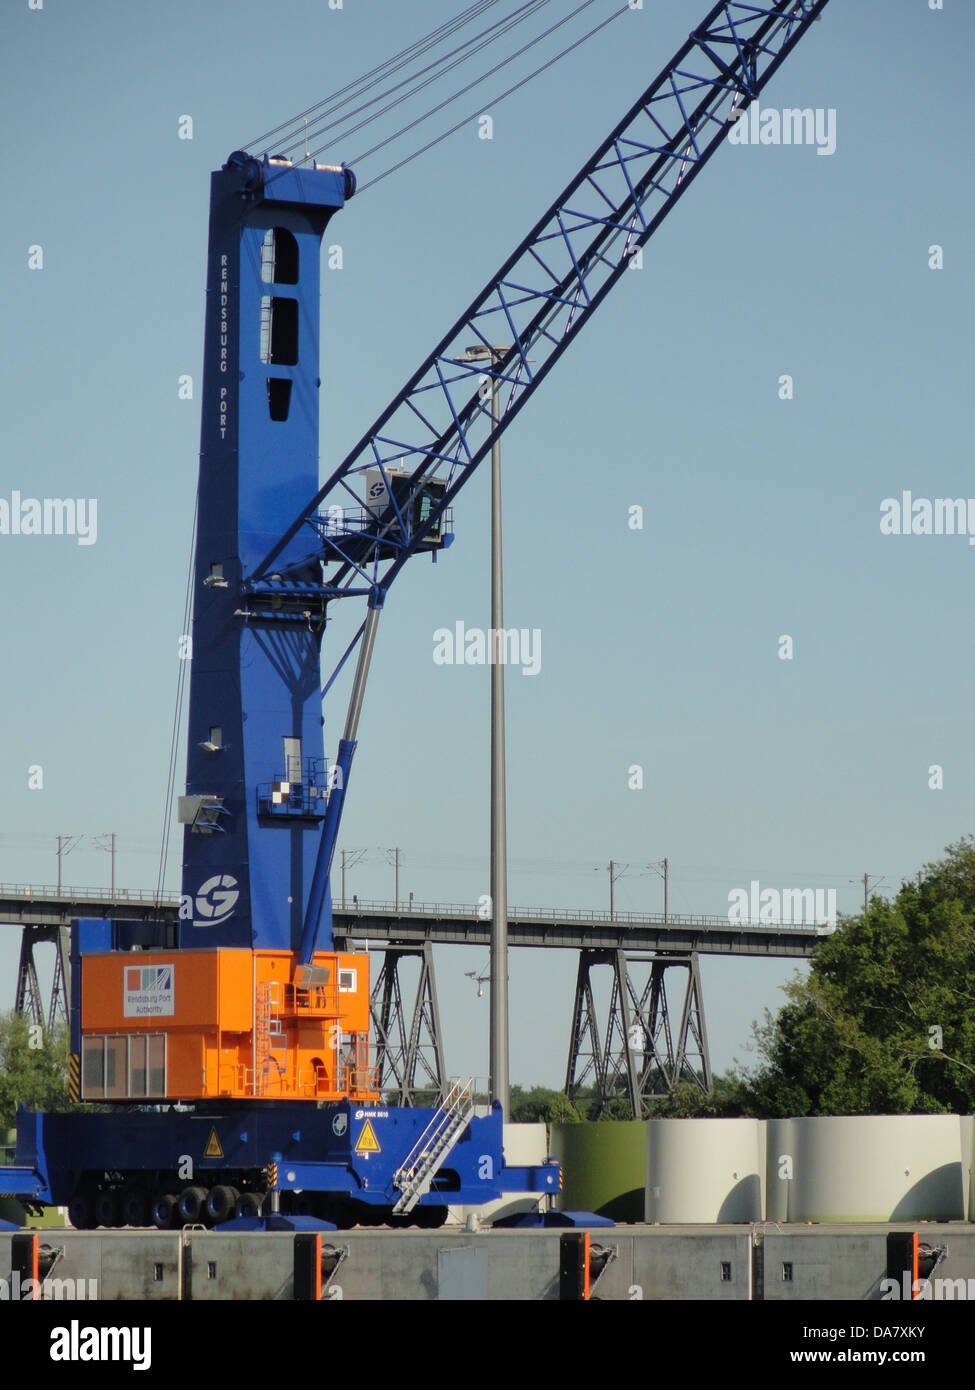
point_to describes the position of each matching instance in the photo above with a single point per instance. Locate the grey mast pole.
(498, 1049)
(499, 841)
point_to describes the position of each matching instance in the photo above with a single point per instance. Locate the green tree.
(531, 1105)
(33, 1067)
(687, 1100)
(562, 1111)
(885, 1021)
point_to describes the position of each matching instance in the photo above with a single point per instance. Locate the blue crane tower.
(256, 780)
(251, 1019)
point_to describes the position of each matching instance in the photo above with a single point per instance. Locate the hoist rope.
(352, 90)
(495, 101)
(418, 81)
(436, 70)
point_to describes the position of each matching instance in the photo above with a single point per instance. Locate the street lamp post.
(499, 868)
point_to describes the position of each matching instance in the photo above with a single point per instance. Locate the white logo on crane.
(216, 900)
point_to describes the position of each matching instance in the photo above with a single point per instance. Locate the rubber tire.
(106, 1210)
(163, 1212)
(193, 1206)
(249, 1204)
(135, 1209)
(79, 1211)
(429, 1218)
(221, 1203)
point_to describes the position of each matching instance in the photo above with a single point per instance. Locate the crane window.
(279, 257)
(137, 1066)
(93, 1066)
(278, 397)
(279, 331)
(123, 1066)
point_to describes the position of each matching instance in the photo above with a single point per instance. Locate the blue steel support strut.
(557, 277)
(318, 896)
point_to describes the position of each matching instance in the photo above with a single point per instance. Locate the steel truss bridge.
(651, 1036)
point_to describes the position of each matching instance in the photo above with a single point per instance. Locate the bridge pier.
(640, 1055)
(408, 1042)
(29, 1000)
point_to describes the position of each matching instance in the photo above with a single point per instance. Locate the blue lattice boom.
(440, 425)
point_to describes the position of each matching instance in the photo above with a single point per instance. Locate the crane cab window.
(118, 1066)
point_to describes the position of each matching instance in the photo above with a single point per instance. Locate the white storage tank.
(705, 1170)
(525, 1146)
(968, 1159)
(780, 1151)
(877, 1168)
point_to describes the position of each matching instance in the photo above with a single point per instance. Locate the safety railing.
(358, 1080)
(375, 907)
(371, 907)
(318, 1001)
(459, 1097)
(97, 895)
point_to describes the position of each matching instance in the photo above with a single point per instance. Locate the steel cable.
(383, 70)
(438, 69)
(496, 101)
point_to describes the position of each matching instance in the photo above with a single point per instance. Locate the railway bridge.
(651, 1036)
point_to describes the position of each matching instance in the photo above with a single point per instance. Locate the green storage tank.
(603, 1167)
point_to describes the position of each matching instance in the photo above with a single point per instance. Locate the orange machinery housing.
(195, 1025)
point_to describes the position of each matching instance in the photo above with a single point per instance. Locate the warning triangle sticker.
(367, 1143)
(213, 1149)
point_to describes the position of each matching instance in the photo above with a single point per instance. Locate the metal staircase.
(430, 1151)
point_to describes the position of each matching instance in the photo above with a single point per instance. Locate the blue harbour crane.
(250, 1018)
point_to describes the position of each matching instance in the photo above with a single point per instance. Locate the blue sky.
(660, 647)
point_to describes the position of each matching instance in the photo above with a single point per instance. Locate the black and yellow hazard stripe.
(74, 1077)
